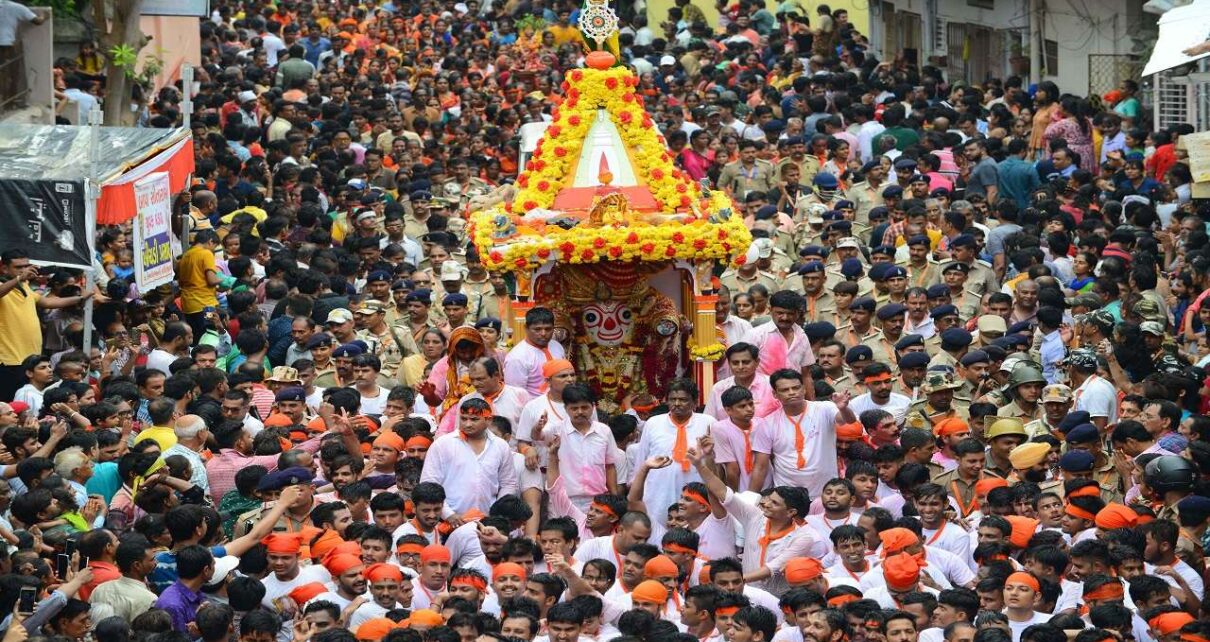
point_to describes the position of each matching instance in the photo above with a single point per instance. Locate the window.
(1050, 52)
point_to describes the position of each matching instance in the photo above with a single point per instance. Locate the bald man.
(201, 208)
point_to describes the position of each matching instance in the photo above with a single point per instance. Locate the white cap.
(764, 248)
(451, 271)
(247, 96)
(849, 241)
(461, 8)
(668, 60)
(366, 214)
(222, 568)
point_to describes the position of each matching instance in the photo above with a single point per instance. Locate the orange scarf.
(769, 537)
(680, 449)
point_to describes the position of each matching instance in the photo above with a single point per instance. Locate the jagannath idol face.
(609, 323)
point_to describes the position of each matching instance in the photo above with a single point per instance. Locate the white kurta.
(776, 438)
(471, 480)
(523, 365)
(663, 486)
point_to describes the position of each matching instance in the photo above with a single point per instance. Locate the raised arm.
(634, 498)
(265, 525)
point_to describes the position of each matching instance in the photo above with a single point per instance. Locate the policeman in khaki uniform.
(1002, 436)
(938, 402)
(860, 330)
(1026, 373)
(1080, 464)
(923, 271)
(956, 277)
(944, 316)
(982, 277)
(954, 342)
(1084, 437)
(912, 368)
(739, 280)
(1056, 401)
(269, 487)
(821, 304)
(883, 346)
(810, 231)
(825, 192)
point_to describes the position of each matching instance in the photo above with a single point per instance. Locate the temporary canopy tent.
(1180, 29)
(43, 171)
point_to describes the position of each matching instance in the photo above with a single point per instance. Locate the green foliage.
(126, 58)
(60, 7)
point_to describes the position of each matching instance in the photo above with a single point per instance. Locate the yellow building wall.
(859, 11)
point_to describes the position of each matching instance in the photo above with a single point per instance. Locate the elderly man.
(191, 434)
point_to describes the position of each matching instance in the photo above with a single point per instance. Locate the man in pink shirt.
(523, 365)
(782, 343)
(742, 360)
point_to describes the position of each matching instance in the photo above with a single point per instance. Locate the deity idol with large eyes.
(625, 347)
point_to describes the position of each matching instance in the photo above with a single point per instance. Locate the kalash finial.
(599, 23)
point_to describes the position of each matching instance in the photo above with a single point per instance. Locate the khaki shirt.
(1017, 412)
(921, 415)
(961, 490)
(923, 276)
(865, 197)
(942, 358)
(808, 167)
(285, 524)
(821, 307)
(883, 349)
(845, 383)
(737, 284)
(851, 338)
(740, 180)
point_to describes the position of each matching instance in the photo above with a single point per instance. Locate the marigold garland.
(712, 352)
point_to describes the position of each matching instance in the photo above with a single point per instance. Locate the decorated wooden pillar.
(523, 302)
(705, 348)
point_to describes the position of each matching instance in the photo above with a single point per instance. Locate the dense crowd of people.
(963, 398)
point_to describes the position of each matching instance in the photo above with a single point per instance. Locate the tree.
(118, 35)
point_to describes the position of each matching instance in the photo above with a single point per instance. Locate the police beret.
(859, 353)
(919, 239)
(1083, 434)
(909, 340)
(841, 225)
(378, 275)
(942, 310)
(937, 291)
(348, 350)
(877, 271)
(1015, 339)
(956, 266)
(279, 479)
(892, 191)
(851, 268)
(1077, 461)
(831, 216)
(995, 353)
(963, 240)
(870, 165)
(918, 178)
(914, 360)
(864, 303)
(811, 267)
(455, 298)
(888, 250)
(321, 339)
(422, 296)
(819, 330)
(904, 163)
(825, 180)
(814, 250)
(955, 338)
(891, 310)
(879, 212)
(897, 272)
(1073, 419)
(292, 393)
(1019, 327)
(844, 204)
(973, 357)
(766, 212)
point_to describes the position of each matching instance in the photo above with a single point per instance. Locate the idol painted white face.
(609, 323)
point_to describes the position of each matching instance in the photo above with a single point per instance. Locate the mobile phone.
(69, 547)
(83, 563)
(27, 600)
(63, 563)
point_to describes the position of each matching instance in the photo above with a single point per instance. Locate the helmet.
(1170, 472)
(1026, 372)
(1005, 426)
(937, 380)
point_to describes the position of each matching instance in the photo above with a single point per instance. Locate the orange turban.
(375, 629)
(426, 617)
(341, 563)
(418, 441)
(1021, 577)
(902, 572)
(1023, 529)
(1091, 490)
(660, 566)
(283, 543)
(850, 432)
(555, 366)
(327, 541)
(435, 553)
(1108, 591)
(391, 439)
(897, 539)
(703, 576)
(985, 486)
(278, 420)
(380, 571)
(801, 570)
(1116, 515)
(1169, 623)
(351, 548)
(650, 592)
(1076, 511)
(508, 568)
(950, 426)
(307, 592)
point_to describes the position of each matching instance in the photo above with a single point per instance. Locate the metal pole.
(187, 95)
(1035, 42)
(93, 187)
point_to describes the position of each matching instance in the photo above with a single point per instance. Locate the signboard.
(47, 219)
(153, 231)
(193, 8)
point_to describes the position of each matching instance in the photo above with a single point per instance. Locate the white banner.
(153, 231)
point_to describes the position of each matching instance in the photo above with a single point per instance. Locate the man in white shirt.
(283, 551)
(1020, 595)
(1091, 392)
(783, 343)
(780, 443)
(473, 465)
(174, 344)
(586, 449)
(523, 365)
(880, 382)
(505, 400)
(1161, 537)
(672, 435)
(348, 580)
(743, 359)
